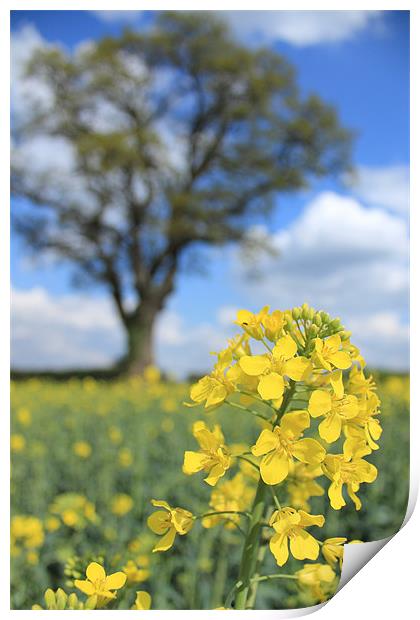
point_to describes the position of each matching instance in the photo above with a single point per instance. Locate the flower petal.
(356, 501)
(216, 472)
(306, 520)
(158, 522)
(274, 467)
(279, 547)
(115, 581)
(271, 386)
(143, 600)
(304, 546)
(193, 462)
(161, 504)
(308, 451)
(319, 403)
(336, 380)
(341, 359)
(266, 442)
(95, 572)
(217, 396)
(295, 422)
(333, 343)
(254, 365)
(297, 368)
(330, 428)
(85, 586)
(285, 348)
(335, 493)
(166, 541)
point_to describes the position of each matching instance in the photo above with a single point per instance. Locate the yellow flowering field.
(236, 491)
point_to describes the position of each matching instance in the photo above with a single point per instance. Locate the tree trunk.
(139, 331)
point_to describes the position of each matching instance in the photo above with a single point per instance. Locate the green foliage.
(137, 433)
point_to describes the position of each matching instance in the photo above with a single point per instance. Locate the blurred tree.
(177, 136)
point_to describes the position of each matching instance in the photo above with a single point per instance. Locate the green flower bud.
(313, 331)
(296, 313)
(61, 598)
(345, 335)
(305, 311)
(325, 317)
(91, 602)
(317, 319)
(335, 325)
(73, 602)
(49, 597)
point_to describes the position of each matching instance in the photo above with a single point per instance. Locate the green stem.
(243, 458)
(275, 498)
(251, 546)
(223, 512)
(243, 408)
(260, 559)
(231, 594)
(275, 576)
(252, 541)
(221, 570)
(266, 345)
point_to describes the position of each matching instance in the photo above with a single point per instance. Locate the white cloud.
(27, 93)
(338, 255)
(349, 260)
(118, 16)
(81, 331)
(74, 330)
(387, 186)
(300, 28)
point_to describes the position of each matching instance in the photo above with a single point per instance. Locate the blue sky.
(364, 72)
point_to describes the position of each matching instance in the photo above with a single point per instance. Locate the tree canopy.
(173, 136)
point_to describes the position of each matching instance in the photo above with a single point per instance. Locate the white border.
(389, 583)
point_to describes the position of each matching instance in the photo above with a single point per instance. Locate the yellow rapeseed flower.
(252, 323)
(82, 449)
(328, 355)
(213, 457)
(271, 368)
(213, 389)
(52, 524)
(24, 416)
(318, 577)
(301, 484)
(121, 504)
(125, 457)
(17, 443)
(143, 601)
(168, 523)
(337, 408)
(231, 495)
(333, 550)
(289, 525)
(280, 445)
(98, 584)
(351, 472)
(136, 573)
